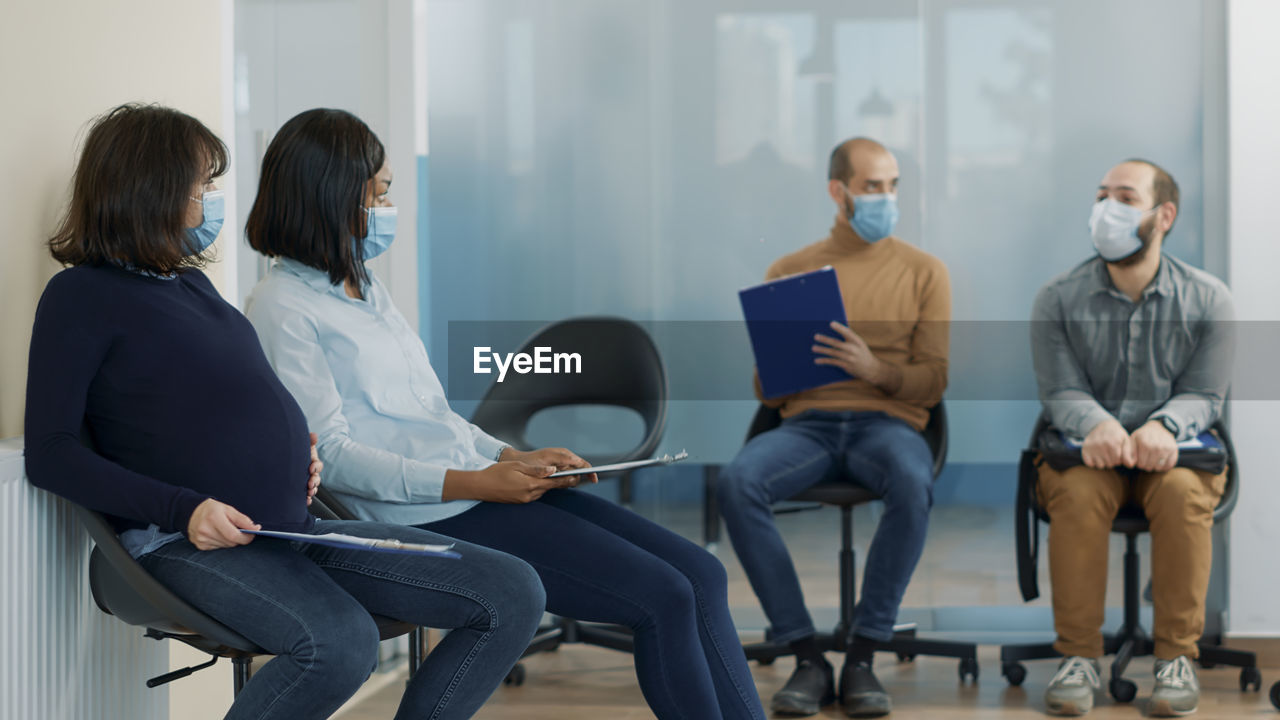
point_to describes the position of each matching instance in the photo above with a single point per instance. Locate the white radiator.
(62, 658)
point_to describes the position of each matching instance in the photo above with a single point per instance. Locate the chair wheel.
(905, 657)
(969, 669)
(1014, 672)
(1206, 665)
(765, 661)
(1122, 690)
(1275, 694)
(515, 677)
(1250, 678)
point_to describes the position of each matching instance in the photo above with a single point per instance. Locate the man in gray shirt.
(1132, 353)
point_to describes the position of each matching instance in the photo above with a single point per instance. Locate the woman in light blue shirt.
(396, 452)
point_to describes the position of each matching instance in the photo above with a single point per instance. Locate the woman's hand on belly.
(313, 482)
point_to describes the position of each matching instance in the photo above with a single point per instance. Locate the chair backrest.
(935, 430)
(621, 367)
(326, 506)
(121, 587)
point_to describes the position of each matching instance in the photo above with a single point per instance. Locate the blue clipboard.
(782, 317)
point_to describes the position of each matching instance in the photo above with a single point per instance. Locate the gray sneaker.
(1177, 688)
(1071, 690)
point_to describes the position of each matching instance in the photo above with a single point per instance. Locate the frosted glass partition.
(648, 158)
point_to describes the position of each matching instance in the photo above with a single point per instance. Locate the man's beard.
(1146, 238)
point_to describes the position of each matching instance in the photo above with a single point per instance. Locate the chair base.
(1125, 646)
(567, 631)
(905, 644)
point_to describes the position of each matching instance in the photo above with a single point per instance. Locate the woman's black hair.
(310, 203)
(132, 189)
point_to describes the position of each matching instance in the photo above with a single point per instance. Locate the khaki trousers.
(1081, 503)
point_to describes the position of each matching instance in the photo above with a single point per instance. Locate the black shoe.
(861, 693)
(810, 687)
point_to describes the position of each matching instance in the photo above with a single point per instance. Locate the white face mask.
(1114, 227)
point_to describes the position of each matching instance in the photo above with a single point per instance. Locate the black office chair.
(121, 587)
(844, 494)
(1130, 640)
(621, 367)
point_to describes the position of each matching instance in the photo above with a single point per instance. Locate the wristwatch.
(1169, 424)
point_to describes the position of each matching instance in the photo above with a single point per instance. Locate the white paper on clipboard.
(618, 467)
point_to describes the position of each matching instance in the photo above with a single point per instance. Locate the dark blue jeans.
(883, 454)
(600, 562)
(309, 605)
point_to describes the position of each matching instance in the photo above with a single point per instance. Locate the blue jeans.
(600, 562)
(309, 605)
(878, 452)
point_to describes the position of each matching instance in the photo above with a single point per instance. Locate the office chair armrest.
(1027, 528)
(320, 507)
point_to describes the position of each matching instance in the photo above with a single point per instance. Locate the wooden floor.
(585, 683)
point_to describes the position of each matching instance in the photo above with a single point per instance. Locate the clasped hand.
(1151, 447)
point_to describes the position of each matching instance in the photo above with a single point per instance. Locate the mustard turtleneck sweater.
(898, 299)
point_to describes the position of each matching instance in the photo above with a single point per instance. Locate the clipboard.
(389, 545)
(619, 467)
(1204, 452)
(782, 317)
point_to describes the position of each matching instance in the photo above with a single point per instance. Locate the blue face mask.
(874, 216)
(381, 230)
(203, 235)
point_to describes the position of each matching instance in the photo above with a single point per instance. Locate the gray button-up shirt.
(1099, 355)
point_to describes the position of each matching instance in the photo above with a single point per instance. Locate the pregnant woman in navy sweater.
(195, 439)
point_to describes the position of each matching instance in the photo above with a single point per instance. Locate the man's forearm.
(888, 378)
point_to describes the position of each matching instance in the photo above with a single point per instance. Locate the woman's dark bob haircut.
(310, 204)
(133, 187)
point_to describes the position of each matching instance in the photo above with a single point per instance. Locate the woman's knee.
(529, 598)
(511, 595)
(667, 597)
(344, 650)
(706, 571)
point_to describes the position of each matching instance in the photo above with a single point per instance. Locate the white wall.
(62, 62)
(1254, 102)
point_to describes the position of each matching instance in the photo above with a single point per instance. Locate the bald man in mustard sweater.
(894, 349)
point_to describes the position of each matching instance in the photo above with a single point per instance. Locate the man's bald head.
(856, 154)
(861, 166)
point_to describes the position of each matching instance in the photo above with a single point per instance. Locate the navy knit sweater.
(178, 399)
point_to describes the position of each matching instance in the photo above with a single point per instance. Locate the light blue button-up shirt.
(361, 374)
